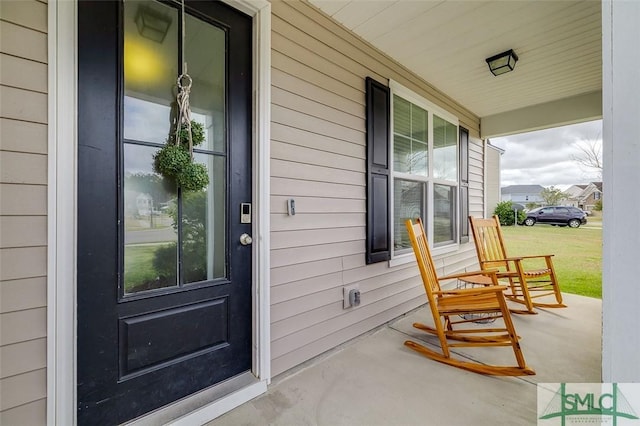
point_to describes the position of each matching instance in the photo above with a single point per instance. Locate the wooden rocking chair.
(526, 284)
(450, 307)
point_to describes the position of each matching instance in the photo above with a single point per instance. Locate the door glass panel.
(204, 212)
(203, 225)
(205, 56)
(150, 69)
(171, 237)
(150, 238)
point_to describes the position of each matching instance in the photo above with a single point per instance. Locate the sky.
(546, 157)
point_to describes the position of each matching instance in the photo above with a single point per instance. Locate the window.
(424, 169)
(417, 166)
(410, 166)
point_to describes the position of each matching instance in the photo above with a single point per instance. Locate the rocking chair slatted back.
(423, 257)
(489, 244)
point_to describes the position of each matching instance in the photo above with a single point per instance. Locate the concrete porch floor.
(376, 380)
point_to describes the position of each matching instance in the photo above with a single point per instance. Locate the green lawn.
(578, 253)
(139, 270)
(138, 265)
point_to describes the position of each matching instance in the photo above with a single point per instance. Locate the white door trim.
(62, 212)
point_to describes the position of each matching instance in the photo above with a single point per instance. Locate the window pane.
(401, 116)
(408, 204)
(150, 239)
(419, 156)
(418, 123)
(205, 56)
(150, 69)
(445, 156)
(444, 217)
(203, 225)
(410, 138)
(401, 154)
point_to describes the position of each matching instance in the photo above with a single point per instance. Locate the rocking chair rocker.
(446, 305)
(526, 284)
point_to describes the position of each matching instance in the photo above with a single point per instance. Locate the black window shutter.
(464, 185)
(378, 121)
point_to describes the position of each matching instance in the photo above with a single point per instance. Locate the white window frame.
(432, 109)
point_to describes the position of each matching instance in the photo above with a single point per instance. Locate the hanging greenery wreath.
(175, 162)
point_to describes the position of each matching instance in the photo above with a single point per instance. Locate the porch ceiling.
(557, 80)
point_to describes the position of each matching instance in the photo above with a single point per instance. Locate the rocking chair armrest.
(487, 272)
(505, 259)
(470, 291)
(519, 258)
(537, 256)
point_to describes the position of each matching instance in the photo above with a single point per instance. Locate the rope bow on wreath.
(175, 160)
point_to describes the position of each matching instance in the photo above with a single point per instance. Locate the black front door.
(164, 284)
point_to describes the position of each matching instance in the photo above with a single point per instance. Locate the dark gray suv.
(556, 215)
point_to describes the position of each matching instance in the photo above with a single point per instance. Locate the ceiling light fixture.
(152, 24)
(502, 62)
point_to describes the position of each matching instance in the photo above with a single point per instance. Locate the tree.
(552, 195)
(506, 216)
(531, 205)
(193, 236)
(590, 156)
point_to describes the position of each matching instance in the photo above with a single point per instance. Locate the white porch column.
(621, 155)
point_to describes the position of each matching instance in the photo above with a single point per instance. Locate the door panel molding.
(62, 216)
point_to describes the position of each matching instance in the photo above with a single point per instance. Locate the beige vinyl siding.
(465, 258)
(476, 179)
(23, 209)
(492, 177)
(318, 154)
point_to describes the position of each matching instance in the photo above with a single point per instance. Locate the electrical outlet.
(351, 296)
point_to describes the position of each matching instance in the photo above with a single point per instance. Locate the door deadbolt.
(245, 239)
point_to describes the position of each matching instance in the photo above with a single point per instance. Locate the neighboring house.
(522, 194)
(493, 155)
(573, 193)
(584, 197)
(591, 196)
(144, 204)
(323, 135)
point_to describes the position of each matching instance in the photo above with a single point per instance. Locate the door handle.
(245, 239)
